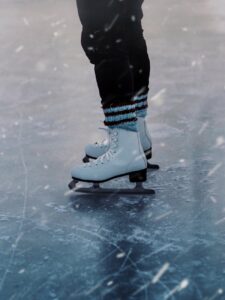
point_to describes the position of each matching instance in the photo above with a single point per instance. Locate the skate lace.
(110, 153)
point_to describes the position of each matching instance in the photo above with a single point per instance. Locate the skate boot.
(93, 151)
(125, 157)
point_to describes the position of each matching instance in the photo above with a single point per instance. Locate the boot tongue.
(113, 137)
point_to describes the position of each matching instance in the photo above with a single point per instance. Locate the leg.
(138, 56)
(105, 44)
(113, 40)
(140, 66)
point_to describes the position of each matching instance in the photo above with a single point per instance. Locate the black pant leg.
(113, 41)
(138, 57)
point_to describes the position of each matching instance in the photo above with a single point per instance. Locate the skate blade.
(115, 191)
(96, 189)
(72, 184)
(88, 158)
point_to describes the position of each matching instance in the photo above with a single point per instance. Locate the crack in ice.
(20, 233)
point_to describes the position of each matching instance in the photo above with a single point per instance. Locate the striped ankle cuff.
(141, 105)
(120, 115)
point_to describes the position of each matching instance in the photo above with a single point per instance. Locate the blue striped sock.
(141, 105)
(123, 116)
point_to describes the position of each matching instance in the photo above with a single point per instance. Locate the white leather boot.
(125, 156)
(93, 151)
(145, 137)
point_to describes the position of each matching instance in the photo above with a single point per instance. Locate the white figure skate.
(124, 157)
(93, 151)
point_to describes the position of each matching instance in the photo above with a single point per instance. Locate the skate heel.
(148, 154)
(138, 176)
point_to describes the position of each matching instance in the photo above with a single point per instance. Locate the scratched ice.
(55, 244)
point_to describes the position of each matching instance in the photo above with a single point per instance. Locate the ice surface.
(58, 245)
